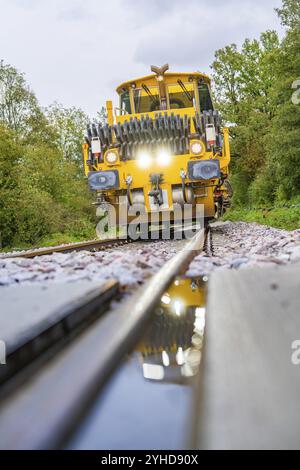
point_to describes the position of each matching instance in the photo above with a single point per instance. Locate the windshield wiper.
(153, 99)
(185, 90)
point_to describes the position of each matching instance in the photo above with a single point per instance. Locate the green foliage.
(70, 125)
(290, 13)
(18, 105)
(42, 191)
(101, 116)
(10, 155)
(287, 218)
(258, 89)
(284, 139)
(244, 82)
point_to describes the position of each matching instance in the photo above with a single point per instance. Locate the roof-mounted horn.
(160, 71)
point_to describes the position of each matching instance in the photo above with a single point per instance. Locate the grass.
(50, 240)
(287, 218)
(55, 239)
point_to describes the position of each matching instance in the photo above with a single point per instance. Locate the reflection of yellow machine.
(163, 147)
(171, 349)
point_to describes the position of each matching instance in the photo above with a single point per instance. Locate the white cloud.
(77, 51)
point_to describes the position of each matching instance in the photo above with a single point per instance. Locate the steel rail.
(78, 246)
(63, 323)
(45, 412)
(88, 245)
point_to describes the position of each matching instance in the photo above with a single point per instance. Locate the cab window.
(125, 102)
(181, 96)
(206, 103)
(146, 99)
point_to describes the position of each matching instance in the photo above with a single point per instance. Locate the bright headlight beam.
(163, 158)
(196, 148)
(144, 160)
(111, 157)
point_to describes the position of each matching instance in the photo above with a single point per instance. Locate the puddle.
(147, 404)
(171, 348)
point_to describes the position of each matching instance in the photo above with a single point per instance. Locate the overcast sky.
(77, 51)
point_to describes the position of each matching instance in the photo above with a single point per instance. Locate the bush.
(287, 218)
(41, 194)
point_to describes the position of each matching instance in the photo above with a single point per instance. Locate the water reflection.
(171, 348)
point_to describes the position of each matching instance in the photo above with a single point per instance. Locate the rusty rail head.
(78, 246)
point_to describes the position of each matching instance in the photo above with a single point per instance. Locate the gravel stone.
(235, 246)
(131, 265)
(243, 245)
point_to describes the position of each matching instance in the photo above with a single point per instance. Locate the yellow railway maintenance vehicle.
(163, 147)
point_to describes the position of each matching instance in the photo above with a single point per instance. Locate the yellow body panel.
(169, 77)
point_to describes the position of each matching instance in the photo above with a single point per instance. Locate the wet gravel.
(234, 246)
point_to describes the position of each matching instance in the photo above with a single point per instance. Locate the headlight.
(204, 170)
(144, 160)
(196, 147)
(111, 157)
(100, 180)
(166, 299)
(163, 158)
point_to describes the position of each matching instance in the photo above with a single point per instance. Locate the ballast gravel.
(234, 246)
(131, 265)
(243, 245)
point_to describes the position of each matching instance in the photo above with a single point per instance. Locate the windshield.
(146, 99)
(181, 95)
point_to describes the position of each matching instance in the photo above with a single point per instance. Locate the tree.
(284, 139)
(244, 89)
(42, 191)
(70, 125)
(289, 14)
(102, 115)
(17, 102)
(226, 75)
(10, 155)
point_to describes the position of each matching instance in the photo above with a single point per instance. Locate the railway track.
(89, 245)
(68, 364)
(78, 246)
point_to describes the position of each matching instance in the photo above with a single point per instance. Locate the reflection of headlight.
(100, 180)
(111, 157)
(163, 158)
(196, 148)
(178, 307)
(166, 299)
(144, 160)
(153, 371)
